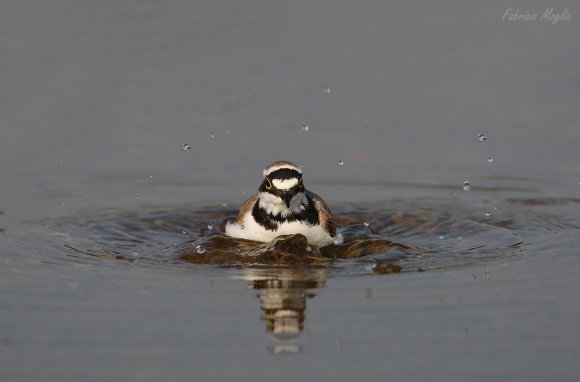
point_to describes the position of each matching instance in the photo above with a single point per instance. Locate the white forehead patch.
(289, 166)
(284, 184)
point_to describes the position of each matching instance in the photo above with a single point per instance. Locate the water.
(407, 237)
(98, 282)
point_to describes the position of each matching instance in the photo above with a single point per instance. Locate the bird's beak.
(287, 198)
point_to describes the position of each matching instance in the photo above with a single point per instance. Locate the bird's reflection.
(283, 294)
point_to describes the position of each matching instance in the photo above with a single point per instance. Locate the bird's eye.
(269, 184)
(300, 182)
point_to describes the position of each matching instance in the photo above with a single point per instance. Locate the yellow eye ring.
(269, 184)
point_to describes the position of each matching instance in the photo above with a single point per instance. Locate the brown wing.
(324, 213)
(247, 206)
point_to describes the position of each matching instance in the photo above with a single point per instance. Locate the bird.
(283, 206)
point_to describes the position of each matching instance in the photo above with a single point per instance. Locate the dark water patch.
(391, 237)
(292, 250)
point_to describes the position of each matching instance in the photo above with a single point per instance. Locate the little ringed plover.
(282, 206)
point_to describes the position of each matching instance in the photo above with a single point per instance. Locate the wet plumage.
(282, 206)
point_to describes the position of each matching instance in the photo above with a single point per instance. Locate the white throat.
(274, 205)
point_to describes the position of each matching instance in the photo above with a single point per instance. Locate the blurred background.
(102, 95)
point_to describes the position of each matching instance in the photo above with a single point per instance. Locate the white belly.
(253, 231)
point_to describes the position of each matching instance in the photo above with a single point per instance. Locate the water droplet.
(224, 204)
(242, 226)
(135, 253)
(210, 226)
(199, 249)
(441, 237)
(185, 147)
(212, 135)
(305, 127)
(487, 213)
(150, 176)
(489, 159)
(366, 224)
(459, 238)
(183, 232)
(138, 197)
(339, 239)
(466, 186)
(326, 89)
(481, 138)
(341, 163)
(139, 180)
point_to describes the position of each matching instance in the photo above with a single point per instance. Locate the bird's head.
(282, 190)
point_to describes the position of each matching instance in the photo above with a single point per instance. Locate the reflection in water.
(283, 294)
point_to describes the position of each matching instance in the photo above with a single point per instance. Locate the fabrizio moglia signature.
(550, 15)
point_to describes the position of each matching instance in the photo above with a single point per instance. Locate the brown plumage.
(324, 214)
(247, 206)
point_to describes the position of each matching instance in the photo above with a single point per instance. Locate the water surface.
(103, 215)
